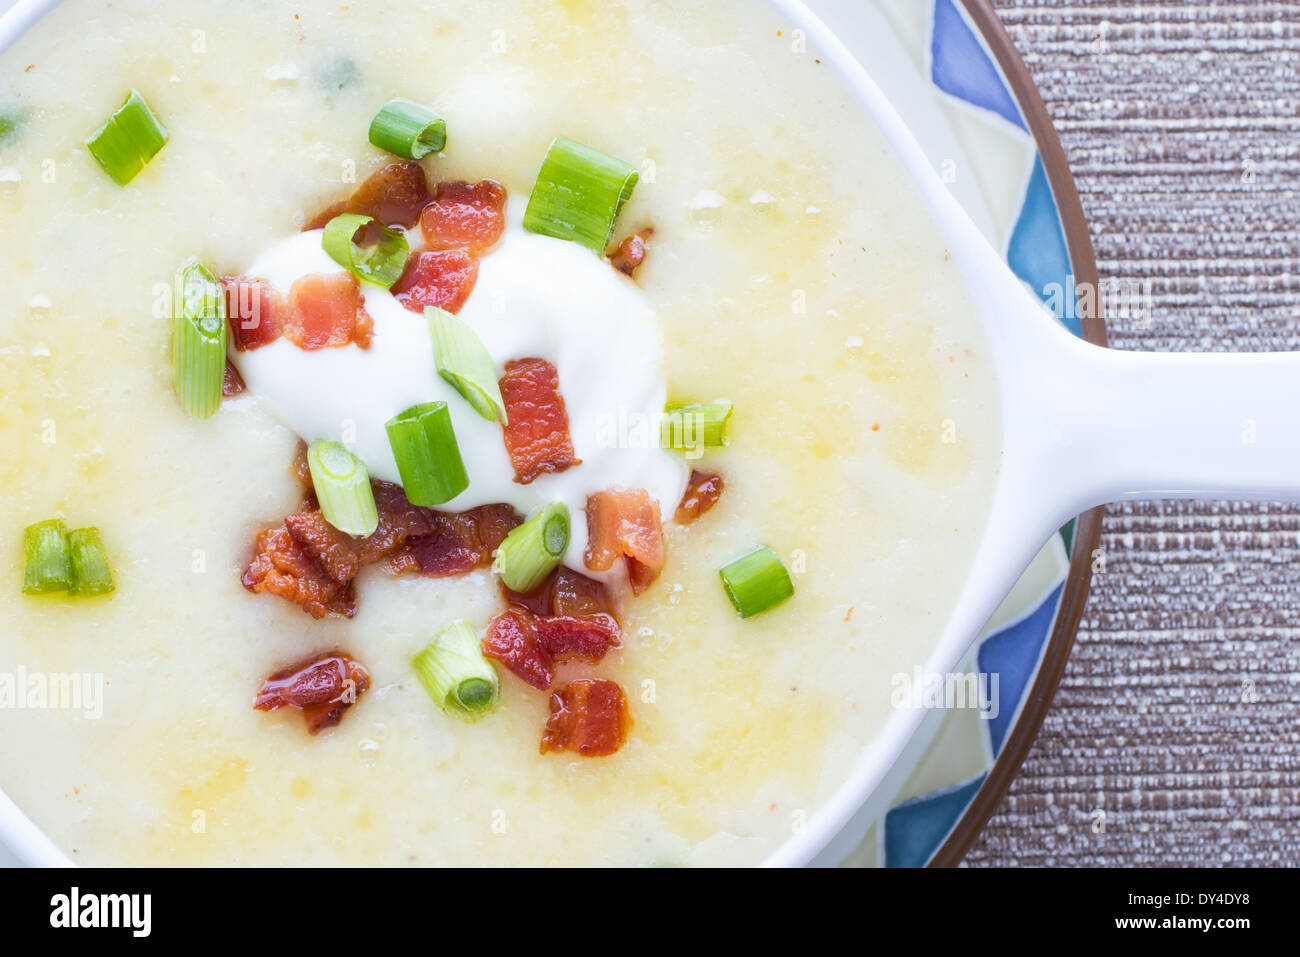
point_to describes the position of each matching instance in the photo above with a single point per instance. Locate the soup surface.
(792, 270)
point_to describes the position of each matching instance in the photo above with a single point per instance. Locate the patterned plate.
(951, 70)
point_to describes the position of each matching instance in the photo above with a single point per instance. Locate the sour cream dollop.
(535, 297)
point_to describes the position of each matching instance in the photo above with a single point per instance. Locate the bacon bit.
(625, 523)
(282, 566)
(589, 717)
(299, 468)
(322, 688)
(576, 594)
(537, 437)
(233, 383)
(465, 216)
(311, 563)
(394, 196)
(459, 542)
(588, 638)
(702, 493)
(442, 278)
(333, 550)
(631, 253)
(512, 640)
(327, 312)
(255, 311)
(529, 645)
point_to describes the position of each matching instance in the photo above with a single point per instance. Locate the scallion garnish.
(90, 572)
(696, 426)
(129, 140)
(579, 194)
(533, 550)
(342, 488)
(381, 264)
(455, 673)
(48, 565)
(408, 129)
(756, 582)
(199, 339)
(428, 458)
(465, 363)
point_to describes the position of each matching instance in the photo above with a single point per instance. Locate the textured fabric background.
(1175, 736)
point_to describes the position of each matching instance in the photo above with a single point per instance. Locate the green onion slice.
(465, 363)
(534, 549)
(408, 129)
(129, 140)
(579, 194)
(90, 572)
(756, 582)
(455, 673)
(342, 488)
(48, 563)
(696, 426)
(381, 264)
(428, 458)
(199, 339)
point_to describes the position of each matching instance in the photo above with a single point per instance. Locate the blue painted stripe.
(1013, 654)
(1038, 253)
(960, 66)
(915, 829)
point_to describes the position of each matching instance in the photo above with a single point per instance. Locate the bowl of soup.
(527, 433)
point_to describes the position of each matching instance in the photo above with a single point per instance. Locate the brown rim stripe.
(1087, 533)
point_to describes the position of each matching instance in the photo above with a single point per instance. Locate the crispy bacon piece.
(322, 688)
(468, 216)
(443, 278)
(255, 311)
(323, 311)
(589, 717)
(702, 493)
(625, 523)
(458, 542)
(233, 383)
(588, 638)
(566, 593)
(327, 312)
(512, 640)
(394, 196)
(335, 551)
(631, 252)
(283, 566)
(311, 563)
(537, 437)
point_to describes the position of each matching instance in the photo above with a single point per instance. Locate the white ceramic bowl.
(1091, 424)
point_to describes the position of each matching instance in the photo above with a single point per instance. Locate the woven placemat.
(1175, 736)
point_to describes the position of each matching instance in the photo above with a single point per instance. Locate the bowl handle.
(1107, 425)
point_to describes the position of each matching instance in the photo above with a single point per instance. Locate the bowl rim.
(1087, 534)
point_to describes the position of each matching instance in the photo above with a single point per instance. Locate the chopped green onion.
(129, 140)
(455, 673)
(199, 339)
(342, 488)
(8, 125)
(531, 551)
(408, 129)
(694, 427)
(465, 363)
(428, 458)
(90, 572)
(381, 264)
(48, 562)
(756, 582)
(579, 194)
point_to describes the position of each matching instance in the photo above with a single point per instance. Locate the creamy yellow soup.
(793, 270)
